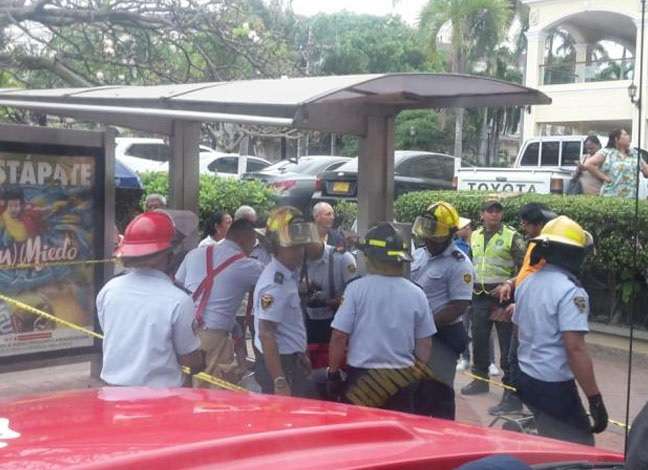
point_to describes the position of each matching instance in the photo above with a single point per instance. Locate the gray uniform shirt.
(341, 266)
(383, 316)
(547, 304)
(276, 299)
(445, 277)
(230, 286)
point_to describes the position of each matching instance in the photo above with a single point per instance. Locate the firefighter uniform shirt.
(383, 316)
(276, 299)
(230, 285)
(147, 323)
(547, 304)
(446, 277)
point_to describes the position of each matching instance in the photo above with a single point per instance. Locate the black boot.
(475, 387)
(510, 404)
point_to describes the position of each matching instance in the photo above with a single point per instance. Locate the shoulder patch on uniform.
(458, 255)
(351, 268)
(581, 304)
(266, 301)
(181, 287)
(278, 278)
(467, 278)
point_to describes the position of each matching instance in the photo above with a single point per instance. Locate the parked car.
(296, 180)
(145, 428)
(543, 165)
(144, 154)
(227, 164)
(413, 171)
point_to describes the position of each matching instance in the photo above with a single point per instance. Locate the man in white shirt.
(146, 319)
(216, 228)
(219, 277)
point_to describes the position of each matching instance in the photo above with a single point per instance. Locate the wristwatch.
(280, 382)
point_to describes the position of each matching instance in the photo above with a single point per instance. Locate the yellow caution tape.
(57, 263)
(513, 389)
(29, 308)
(492, 382)
(200, 376)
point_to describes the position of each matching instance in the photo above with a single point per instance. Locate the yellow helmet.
(286, 227)
(565, 231)
(439, 220)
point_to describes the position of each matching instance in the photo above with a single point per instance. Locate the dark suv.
(413, 171)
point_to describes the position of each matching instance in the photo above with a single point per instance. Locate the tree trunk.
(483, 138)
(458, 140)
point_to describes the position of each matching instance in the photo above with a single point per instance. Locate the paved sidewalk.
(610, 364)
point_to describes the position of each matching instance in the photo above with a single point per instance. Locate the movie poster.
(47, 219)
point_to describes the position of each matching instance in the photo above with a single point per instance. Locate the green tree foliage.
(347, 43)
(217, 193)
(476, 27)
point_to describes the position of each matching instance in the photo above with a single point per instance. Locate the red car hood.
(184, 428)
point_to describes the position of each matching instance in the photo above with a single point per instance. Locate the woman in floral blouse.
(616, 166)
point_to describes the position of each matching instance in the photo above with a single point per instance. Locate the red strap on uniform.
(204, 289)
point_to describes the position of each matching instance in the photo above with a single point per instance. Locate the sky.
(407, 9)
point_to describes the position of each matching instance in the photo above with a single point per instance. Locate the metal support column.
(376, 173)
(183, 165)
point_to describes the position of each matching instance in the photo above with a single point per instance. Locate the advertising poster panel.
(51, 220)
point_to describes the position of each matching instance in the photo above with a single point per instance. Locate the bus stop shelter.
(360, 105)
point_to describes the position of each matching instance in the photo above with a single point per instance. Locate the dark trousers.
(389, 389)
(435, 395)
(557, 409)
(295, 373)
(514, 366)
(481, 328)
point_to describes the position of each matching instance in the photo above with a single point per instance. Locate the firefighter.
(324, 275)
(147, 320)
(533, 217)
(384, 321)
(219, 276)
(551, 315)
(497, 252)
(282, 366)
(446, 276)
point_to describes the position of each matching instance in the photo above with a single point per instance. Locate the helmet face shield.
(299, 233)
(428, 228)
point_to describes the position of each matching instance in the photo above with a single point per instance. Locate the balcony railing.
(594, 71)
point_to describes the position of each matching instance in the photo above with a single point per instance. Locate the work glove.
(334, 385)
(598, 412)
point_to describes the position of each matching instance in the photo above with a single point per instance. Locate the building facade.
(584, 54)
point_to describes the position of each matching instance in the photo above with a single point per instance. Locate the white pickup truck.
(543, 165)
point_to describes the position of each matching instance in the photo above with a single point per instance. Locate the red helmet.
(147, 234)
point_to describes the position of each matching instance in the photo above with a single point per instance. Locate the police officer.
(324, 275)
(446, 275)
(497, 252)
(219, 276)
(147, 320)
(385, 322)
(282, 366)
(551, 317)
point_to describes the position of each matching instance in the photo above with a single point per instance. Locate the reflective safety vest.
(493, 263)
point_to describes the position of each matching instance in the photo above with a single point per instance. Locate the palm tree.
(477, 27)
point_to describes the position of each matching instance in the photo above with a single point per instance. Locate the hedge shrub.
(611, 221)
(215, 193)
